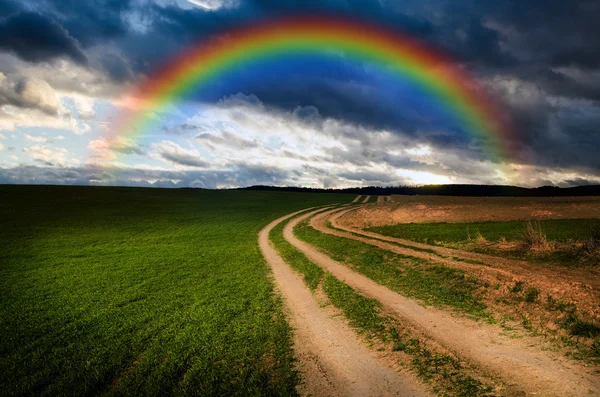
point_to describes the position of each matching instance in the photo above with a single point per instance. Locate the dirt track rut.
(331, 358)
(572, 284)
(520, 365)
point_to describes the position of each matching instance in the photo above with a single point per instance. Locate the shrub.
(590, 248)
(518, 287)
(534, 238)
(532, 294)
(585, 328)
(596, 347)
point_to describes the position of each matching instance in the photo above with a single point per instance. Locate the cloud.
(37, 139)
(228, 139)
(29, 93)
(106, 147)
(8, 7)
(36, 93)
(175, 154)
(91, 22)
(213, 4)
(35, 37)
(323, 149)
(32, 102)
(117, 68)
(36, 96)
(47, 156)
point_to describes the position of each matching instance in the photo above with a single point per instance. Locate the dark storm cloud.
(8, 7)
(549, 46)
(91, 21)
(35, 37)
(552, 33)
(117, 68)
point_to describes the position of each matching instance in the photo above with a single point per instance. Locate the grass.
(532, 294)
(584, 328)
(545, 239)
(124, 291)
(312, 273)
(363, 313)
(409, 276)
(534, 238)
(561, 230)
(443, 368)
(518, 287)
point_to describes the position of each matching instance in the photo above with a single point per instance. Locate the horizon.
(308, 188)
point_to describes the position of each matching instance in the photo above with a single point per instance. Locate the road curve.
(332, 359)
(519, 365)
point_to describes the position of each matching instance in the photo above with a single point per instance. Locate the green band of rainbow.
(429, 69)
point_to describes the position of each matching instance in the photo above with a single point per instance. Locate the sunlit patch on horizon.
(424, 178)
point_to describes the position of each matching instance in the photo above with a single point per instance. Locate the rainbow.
(432, 71)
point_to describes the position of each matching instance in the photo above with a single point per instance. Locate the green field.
(555, 229)
(126, 291)
(372, 199)
(561, 241)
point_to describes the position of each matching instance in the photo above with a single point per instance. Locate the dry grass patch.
(534, 239)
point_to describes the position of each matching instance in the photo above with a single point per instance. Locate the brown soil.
(518, 362)
(356, 198)
(429, 209)
(366, 199)
(380, 199)
(332, 361)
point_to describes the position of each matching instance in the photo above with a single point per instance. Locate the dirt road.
(520, 364)
(332, 360)
(356, 198)
(366, 200)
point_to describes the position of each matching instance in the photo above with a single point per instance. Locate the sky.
(69, 68)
